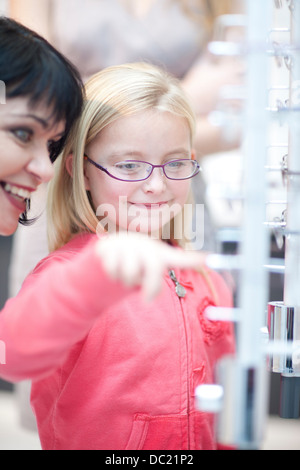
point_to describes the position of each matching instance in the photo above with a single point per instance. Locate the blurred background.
(98, 33)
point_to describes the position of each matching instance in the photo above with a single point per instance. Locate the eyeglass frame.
(100, 167)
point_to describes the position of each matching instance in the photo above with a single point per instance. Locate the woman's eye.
(24, 135)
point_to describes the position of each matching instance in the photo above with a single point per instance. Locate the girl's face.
(145, 206)
(25, 136)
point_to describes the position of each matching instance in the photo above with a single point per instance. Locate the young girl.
(41, 97)
(111, 370)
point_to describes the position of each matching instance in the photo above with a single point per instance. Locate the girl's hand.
(137, 260)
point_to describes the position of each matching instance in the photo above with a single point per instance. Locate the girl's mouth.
(155, 205)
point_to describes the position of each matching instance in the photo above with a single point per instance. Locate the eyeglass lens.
(136, 170)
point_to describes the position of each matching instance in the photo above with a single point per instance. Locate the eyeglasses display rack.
(268, 335)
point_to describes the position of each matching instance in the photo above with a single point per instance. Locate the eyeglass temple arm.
(95, 164)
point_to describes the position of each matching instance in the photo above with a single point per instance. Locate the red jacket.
(110, 371)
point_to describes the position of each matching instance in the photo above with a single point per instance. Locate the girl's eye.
(175, 164)
(127, 166)
(24, 135)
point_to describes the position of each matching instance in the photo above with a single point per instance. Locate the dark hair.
(31, 67)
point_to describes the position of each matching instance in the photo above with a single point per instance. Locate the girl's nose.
(156, 183)
(40, 166)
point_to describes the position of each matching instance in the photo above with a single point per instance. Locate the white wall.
(3, 7)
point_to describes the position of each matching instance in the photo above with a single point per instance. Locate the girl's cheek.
(181, 191)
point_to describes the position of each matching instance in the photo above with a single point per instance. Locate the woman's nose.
(40, 166)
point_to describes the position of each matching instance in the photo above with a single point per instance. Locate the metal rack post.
(241, 393)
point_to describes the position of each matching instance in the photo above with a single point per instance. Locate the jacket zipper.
(180, 290)
(181, 293)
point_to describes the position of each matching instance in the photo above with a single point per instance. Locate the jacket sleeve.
(56, 307)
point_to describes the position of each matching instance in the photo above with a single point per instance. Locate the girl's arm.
(55, 308)
(60, 301)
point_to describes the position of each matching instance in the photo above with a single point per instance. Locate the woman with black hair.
(41, 98)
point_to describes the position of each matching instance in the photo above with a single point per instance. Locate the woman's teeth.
(20, 192)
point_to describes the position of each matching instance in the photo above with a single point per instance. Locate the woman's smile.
(17, 195)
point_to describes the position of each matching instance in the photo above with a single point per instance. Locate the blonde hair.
(112, 93)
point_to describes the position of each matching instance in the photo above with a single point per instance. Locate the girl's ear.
(86, 178)
(69, 167)
(69, 164)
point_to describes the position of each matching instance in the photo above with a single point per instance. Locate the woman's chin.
(8, 226)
